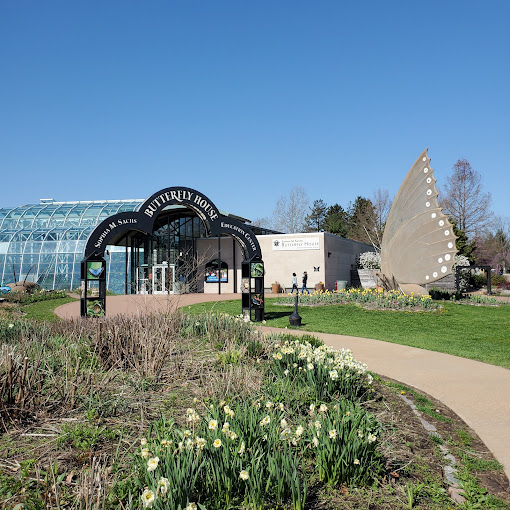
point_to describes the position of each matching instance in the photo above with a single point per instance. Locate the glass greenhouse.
(44, 243)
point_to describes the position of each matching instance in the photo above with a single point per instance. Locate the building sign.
(297, 243)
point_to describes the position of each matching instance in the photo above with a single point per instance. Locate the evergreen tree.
(336, 221)
(464, 246)
(314, 222)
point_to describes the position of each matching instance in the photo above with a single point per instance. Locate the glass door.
(159, 283)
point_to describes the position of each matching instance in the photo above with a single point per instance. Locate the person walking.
(294, 284)
(305, 279)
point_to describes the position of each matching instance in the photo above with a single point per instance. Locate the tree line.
(482, 237)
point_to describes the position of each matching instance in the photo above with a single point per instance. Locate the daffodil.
(148, 498)
(217, 443)
(152, 464)
(243, 475)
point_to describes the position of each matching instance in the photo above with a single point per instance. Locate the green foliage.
(315, 220)
(445, 295)
(86, 437)
(336, 221)
(463, 245)
(263, 452)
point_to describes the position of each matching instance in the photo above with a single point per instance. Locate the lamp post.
(295, 318)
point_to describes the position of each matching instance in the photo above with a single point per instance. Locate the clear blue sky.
(243, 100)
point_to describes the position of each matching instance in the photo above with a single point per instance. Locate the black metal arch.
(142, 220)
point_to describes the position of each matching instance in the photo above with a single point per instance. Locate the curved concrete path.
(478, 392)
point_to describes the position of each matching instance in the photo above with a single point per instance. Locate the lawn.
(475, 332)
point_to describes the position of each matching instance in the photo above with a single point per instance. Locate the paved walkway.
(478, 392)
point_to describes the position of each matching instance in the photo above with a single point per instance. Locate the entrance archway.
(119, 226)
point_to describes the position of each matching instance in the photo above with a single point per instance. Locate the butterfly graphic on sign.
(96, 271)
(418, 245)
(316, 268)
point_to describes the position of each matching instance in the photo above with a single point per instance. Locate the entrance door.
(159, 279)
(163, 278)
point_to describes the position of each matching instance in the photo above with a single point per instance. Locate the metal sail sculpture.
(418, 245)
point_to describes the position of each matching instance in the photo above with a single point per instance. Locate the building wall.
(310, 254)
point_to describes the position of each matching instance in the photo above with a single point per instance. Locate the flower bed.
(369, 298)
(306, 424)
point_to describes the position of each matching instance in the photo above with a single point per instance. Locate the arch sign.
(111, 230)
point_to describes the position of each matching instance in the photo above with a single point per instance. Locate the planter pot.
(319, 287)
(275, 288)
(367, 278)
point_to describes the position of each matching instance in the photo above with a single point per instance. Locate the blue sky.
(242, 100)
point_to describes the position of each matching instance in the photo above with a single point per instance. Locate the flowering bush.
(253, 453)
(462, 261)
(369, 260)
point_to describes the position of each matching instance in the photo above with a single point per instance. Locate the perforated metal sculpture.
(418, 245)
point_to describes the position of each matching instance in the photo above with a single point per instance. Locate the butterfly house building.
(173, 242)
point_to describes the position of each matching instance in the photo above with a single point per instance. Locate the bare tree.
(465, 201)
(289, 213)
(493, 247)
(382, 204)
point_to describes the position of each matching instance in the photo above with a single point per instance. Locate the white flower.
(299, 431)
(166, 443)
(280, 406)
(228, 411)
(285, 372)
(152, 464)
(317, 424)
(360, 434)
(310, 366)
(143, 441)
(187, 433)
(213, 425)
(163, 485)
(265, 421)
(269, 405)
(315, 442)
(144, 452)
(11, 325)
(323, 408)
(371, 438)
(191, 506)
(217, 443)
(241, 448)
(332, 434)
(148, 498)
(334, 375)
(356, 461)
(243, 475)
(283, 423)
(201, 442)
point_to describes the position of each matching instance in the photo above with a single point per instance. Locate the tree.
(314, 222)
(382, 204)
(361, 220)
(463, 245)
(336, 221)
(465, 201)
(493, 248)
(289, 213)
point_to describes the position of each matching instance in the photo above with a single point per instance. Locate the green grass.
(45, 310)
(476, 332)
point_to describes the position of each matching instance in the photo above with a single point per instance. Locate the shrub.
(370, 260)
